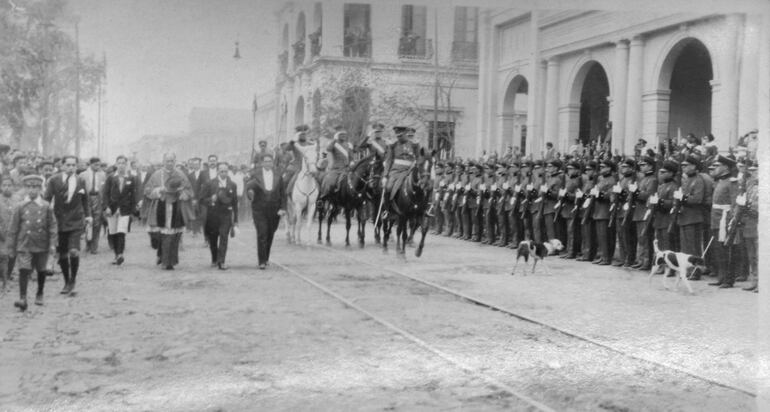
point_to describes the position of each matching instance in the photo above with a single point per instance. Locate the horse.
(302, 196)
(408, 207)
(351, 196)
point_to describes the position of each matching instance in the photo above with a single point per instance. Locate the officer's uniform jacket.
(646, 186)
(534, 194)
(377, 147)
(401, 156)
(554, 183)
(622, 197)
(485, 191)
(665, 203)
(750, 217)
(725, 192)
(693, 189)
(472, 191)
(33, 227)
(341, 154)
(571, 185)
(602, 201)
(509, 187)
(588, 184)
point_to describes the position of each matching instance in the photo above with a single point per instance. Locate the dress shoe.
(66, 289)
(741, 279)
(604, 263)
(21, 304)
(644, 268)
(168, 267)
(725, 286)
(120, 260)
(596, 261)
(158, 261)
(213, 264)
(751, 288)
(636, 266)
(618, 264)
(715, 283)
(262, 266)
(222, 266)
(694, 277)
(581, 259)
(39, 300)
(115, 262)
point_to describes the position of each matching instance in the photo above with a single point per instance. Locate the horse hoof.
(320, 242)
(328, 243)
(360, 245)
(418, 252)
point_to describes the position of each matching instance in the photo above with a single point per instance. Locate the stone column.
(724, 91)
(486, 106)
(618, 98)
(534, 97)
(763, 118)
(552, 103)
(633, 119)
(332, 26)
(535, 142)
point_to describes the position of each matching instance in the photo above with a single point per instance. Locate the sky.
(165, 57)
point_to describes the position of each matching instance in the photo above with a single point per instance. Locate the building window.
(466, 42)
(446, 137)
(357, 41)
(412, 42)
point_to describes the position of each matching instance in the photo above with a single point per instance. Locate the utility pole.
(435, 77)
(77, 90)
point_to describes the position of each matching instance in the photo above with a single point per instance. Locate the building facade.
(556, 76)
(352, 64)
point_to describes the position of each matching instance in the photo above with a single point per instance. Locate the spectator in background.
(550, 152)
(576, 149)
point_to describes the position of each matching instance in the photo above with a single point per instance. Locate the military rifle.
(589, 209)
(675, 210)
(628, 209)
(616, 202)
(649, 217)
(735, 221)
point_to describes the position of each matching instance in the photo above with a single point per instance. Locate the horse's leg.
(348, 211)
(361, 225)
(329, 219)
(385, 235)
(310, 212)
(402, 232)
(321, 209)
(424, 231)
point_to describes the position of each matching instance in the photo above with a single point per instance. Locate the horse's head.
(309, 161)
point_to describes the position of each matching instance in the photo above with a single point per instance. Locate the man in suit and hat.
(121, 194)
(167, 188)
(221, 195)
(268, 204)
(32, 238)
(725, 193)
(194, 222)
(73, 212)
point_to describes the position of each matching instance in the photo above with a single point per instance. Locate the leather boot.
(40, 286)
(23, 282)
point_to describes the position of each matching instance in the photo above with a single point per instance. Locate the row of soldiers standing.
(608, 211)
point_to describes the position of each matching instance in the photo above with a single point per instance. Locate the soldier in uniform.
(222, 198)
(570, 208)
(585, 205)
(447, 191)
(501, 195)
(400, 157)
(375, 144)
(32, 238)
(488, 214)
(511, 187)
(690, 219)
(439, 184)
(473, 203)
(601, 194)
(458, 200)
(297, 148)
(526, 194)
(536, 200)
(749, 201)
(640, 192)
(664, 201)
(341, 152)
(553, 185)
(725, 193)
(626, 236)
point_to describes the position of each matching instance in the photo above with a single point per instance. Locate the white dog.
(676, 263)
(538, 251)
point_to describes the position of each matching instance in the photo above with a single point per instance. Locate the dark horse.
(408, 207)
(351, 196)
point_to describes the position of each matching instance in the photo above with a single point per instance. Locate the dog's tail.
(655, 245)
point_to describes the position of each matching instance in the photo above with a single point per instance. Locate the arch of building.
(513, 123)
(589, 79)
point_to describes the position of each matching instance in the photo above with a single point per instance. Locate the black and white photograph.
(351, 205)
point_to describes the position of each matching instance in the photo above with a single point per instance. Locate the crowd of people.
(606, 208)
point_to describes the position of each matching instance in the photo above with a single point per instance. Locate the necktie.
(93, 182)
(120, 183)
(71, 185)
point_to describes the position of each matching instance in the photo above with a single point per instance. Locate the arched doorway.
(594, 106)
(687, 72)
(514, 116)
(299, 111)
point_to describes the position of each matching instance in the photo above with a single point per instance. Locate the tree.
(39, 76)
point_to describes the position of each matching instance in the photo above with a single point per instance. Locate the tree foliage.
(39, 75)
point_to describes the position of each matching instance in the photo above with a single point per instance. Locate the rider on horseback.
(297, 148)
(400, 157)
(375, 143)
(341, 152)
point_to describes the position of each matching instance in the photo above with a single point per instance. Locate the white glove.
(543, 188)
(517, 188)
(562, 192)
(579, 194)
(384, 181)
(740, 200)
(616, 189)
(505, 185)
(494, 187)
(441, 183)
(653, 199)
(678, 195)
(632, 187)
(468, 186)
(482, 187)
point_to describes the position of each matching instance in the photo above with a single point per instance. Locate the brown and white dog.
(538, 251)
(676, 264)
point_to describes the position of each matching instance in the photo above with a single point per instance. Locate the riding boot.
(64, 263)
(41, 275)
(23, 282)
(74, 265)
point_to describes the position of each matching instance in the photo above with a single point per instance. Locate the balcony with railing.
(315, 43)
(299, 53)
(415, 48)
(283, 61)
(357, 45)
(465, 51)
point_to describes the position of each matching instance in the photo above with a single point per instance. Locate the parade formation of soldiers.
(606, 208)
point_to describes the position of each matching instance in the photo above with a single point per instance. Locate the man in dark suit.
(268, 204)
(204, 177)
(193, 175)
(221, 197)
(72, 212)
(121, 194)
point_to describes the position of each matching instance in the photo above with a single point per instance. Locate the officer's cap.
(671, 166)
(400, 129)
(692, 160)
(608, 163)
(526, 163)
(378, 127)
(591, 165)
(725, 161)
(29, 179)
(647, 160)
(555, 163)
(575, 165)
(538, 163)
(630, 163)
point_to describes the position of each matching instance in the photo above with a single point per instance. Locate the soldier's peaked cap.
(302, 128)
(725, 161)
(609, 163)
(630, 163)
(555, 163)
(32, 179)
(575, 165)
(692, 160)
(647, 160)
(400, 129)
(671, 166)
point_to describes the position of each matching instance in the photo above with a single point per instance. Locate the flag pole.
(253, 128)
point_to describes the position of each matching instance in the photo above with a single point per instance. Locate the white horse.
(303, 195)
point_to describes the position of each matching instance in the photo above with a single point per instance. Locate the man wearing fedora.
(72, 210)
(221, 194)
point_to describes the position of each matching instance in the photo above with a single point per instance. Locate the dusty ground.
(138, 338)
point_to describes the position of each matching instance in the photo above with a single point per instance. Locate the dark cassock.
(167, 190)
(268, 203)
